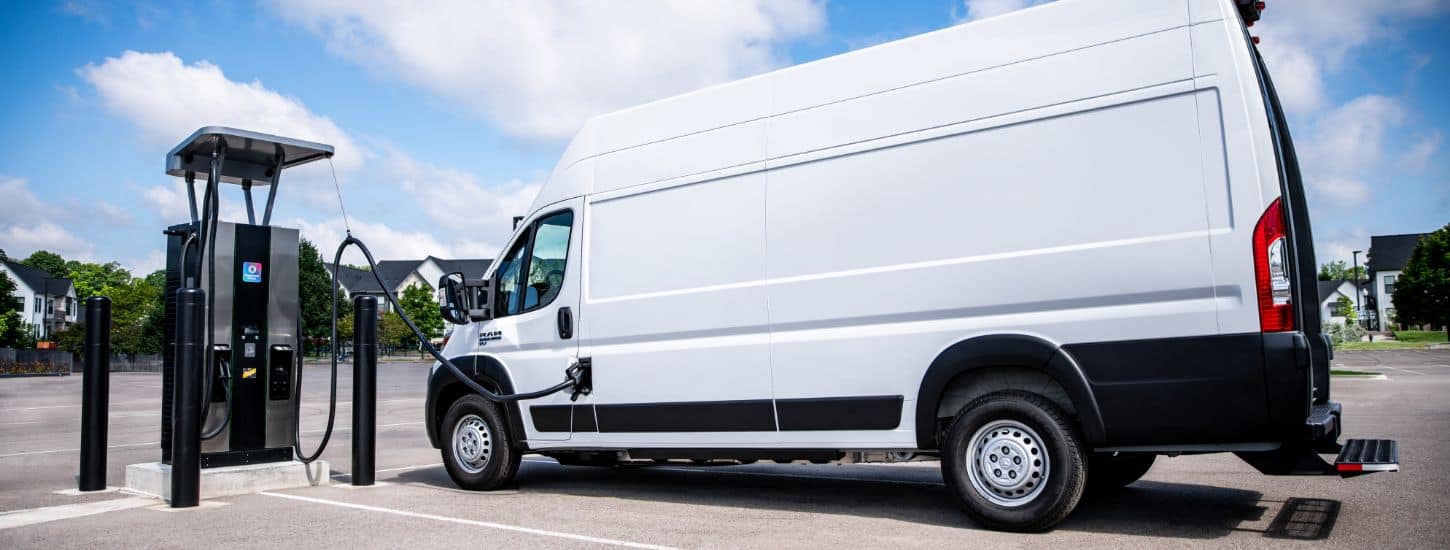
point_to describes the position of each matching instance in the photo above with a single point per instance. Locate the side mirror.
(453, 303)
(463, 301)
(478, 294)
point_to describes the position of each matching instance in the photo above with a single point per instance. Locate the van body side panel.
(1083, 226)
(674, 313)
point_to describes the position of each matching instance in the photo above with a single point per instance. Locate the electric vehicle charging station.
(243, 280)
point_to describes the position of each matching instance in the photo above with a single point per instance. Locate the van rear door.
(1301, 259)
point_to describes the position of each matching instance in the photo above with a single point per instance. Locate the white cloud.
(1342, 190)
(152, 261)
(1340, 246)
(981, 9)
(1418, 156)
(480, 215)
(20, 205)
(174, 206)
(1303, 42)
(167, 100)
(383, 241)
(21, 240)
(538, 69)
(1351, 138)
(28, 224)
(1346, 147)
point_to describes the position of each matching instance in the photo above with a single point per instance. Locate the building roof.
(394, 272)
(39, 280)
(1330, 288)
(1391, 252)
(357, 280)
(472, 269)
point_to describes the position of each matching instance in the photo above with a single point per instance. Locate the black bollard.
(186, 402)
(364, 388)
(95, 394)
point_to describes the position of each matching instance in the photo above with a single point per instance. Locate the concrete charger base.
(154, 478)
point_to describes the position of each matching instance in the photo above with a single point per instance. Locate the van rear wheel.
(478, 453)
(1014, 462)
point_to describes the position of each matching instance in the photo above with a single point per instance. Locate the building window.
(1390, 285)
(39, 304)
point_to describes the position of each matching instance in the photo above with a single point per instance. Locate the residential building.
(1388, 256)
(1329, 294)
(48, 304)
(401, 274)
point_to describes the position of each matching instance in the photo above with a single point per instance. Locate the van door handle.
(566, 323)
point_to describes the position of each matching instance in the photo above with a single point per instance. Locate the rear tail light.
(1271, 271)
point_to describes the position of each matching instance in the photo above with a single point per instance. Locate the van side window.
(546, 262)
(531, 274)
(509, 298)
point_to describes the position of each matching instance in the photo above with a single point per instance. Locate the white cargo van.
(1045, 247)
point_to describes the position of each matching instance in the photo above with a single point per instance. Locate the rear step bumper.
(1364, 456)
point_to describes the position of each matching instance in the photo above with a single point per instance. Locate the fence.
(23, 362)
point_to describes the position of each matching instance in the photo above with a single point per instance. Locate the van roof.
(976, 46)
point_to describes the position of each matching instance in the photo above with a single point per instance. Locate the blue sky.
(447, 119)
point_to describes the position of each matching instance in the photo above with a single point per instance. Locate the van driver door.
(535, 307)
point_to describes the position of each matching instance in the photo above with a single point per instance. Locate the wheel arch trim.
(483, 369)
(997, 350)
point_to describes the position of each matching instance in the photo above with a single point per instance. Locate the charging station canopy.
(251, 157)
(242, 157)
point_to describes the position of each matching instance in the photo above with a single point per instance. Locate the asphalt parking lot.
(1211, 500)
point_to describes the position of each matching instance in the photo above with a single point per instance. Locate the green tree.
(314, 285)
(48, 262)
(1422, 292)
(153, 328)
(12, 327)
(70, 338)
(1345, 308)
(133, 305)
(1338, 271)
(344, 328)
(392, 331)
(90, 279)
(422, 308)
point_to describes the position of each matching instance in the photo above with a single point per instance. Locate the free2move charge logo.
(251, 272)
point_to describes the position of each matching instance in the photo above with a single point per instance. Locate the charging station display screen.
(251, 272)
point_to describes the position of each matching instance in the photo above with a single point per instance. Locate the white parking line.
(19, 518)
(77, 406)
(461, 521)
(52, 451)
(26, 453)
(400, 468)
(1402, 370)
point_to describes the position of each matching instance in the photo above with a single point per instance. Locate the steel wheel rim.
(472, 444)
(1007, 463)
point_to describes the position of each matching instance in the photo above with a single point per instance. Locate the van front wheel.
(478, 453)
(1014, 462)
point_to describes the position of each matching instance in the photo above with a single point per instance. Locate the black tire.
(1046, 491)
(1109, 471)
(482, 471)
